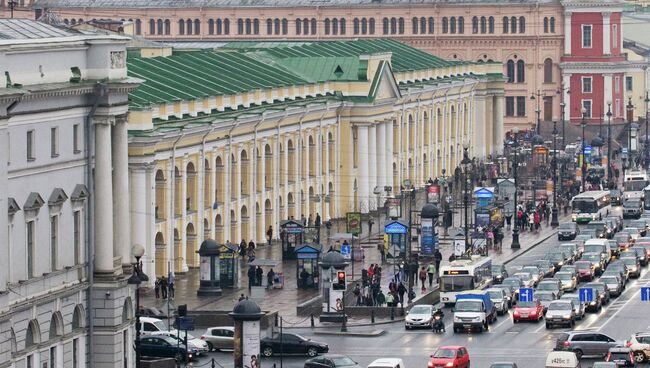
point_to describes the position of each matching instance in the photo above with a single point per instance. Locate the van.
(599, 246)
(387, 363)
(151, 325)
(474, 310)
(562, 359)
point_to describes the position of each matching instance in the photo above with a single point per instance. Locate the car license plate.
(524, 315)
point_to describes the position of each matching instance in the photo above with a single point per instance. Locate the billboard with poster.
(251, 343)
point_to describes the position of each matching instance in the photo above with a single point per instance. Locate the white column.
(103, 196)
(607, 34)
(319, 173)
(566, 83)
(170, 220)
(139, 210)
(200, 203)
(363, 168)
(499, 133)
(567, 33)
(213, 196)
(150, 237)
(227, 197)
(262, 202)
(607, 95)
(5, 272)
(382, 156)
(372, 166)
(238, 201)
(389, 154)
(120, 158)
(304, 184)
(183, 220)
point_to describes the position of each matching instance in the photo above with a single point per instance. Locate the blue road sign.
(186, 324)
(586, 294)
(346, 249)
(645, 294)
(526, 294)
(587, 150)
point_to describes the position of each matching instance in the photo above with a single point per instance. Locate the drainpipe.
(256, 171)
(201, 205)
(99, 91)
(172, 179)
(276, 201)
(320, 174)
(300, 185)
(228, 198)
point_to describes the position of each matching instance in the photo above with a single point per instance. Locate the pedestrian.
(269, 279)
(339, 305)
(251, 277)
(357, 295)
(251, 245)
(401, 290)
(423, 278)
(317, 221)
(370, 223)
(241, 297)
(431, 270)
(508, 221)
(402, 273)
(163, 287)
(269, 235)
(310, 222)
(381, 298)
(390, 299)
(371, 271)
(170, 287)
(242, 248)
(438, 258)
(156, 288)
(303, 220)
(411, 295)
(259, 273)
(304, 276)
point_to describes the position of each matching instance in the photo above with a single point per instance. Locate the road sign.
(586, 294)
(624, 150)
(186, 324)
(346, 250)
(645, 294)
(587, 150)
(526, 294)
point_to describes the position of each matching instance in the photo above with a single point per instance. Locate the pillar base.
(209, 291)
(554, 219)
(334, 317)
(515, 239)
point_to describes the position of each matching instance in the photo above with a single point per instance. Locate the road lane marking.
(632, 298)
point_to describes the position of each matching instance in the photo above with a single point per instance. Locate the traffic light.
(340, 281)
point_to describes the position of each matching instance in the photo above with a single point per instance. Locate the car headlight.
(449, 364)
(567, 317)
(456, 319)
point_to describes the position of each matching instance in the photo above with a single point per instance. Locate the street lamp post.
(583, 165)
(536, 97)
(630, 119)
(562, 106)
(137, 277)
(647, 144)
(515, 232)
(609, 143)
(12, 5)
(466, 163)
(554, 220)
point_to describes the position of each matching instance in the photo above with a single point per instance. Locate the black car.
(642, 254)
(611, 227)
(163, 347)
(616, 197)
(602, 290)
(291, 344)
(499, 273)
(599, 226)
(152, 312)
(331, 361)
(567, 231)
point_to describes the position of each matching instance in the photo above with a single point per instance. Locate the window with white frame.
(54, 241)
(617, 84)
(76, 144)
(76, 229)
(586, 36)
(586, 85)
(617, 108)
(586, 105)
(31, 145)
(54, 141)
(614, 35)
(629, 84)
(31, 252)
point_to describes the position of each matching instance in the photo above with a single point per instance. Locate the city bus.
(592, 205)
(646, 194)
(634, 183)
(462, 275)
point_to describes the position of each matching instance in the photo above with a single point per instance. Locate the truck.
(474, 310)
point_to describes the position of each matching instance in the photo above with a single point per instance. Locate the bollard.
(312, 319)
(372, 316)
(392, 313)
(276, 320)
(213, 365)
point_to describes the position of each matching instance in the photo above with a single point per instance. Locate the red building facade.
(593, 66)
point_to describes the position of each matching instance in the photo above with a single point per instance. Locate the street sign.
(645, 294)
(346, 250)
(526, 294)
(586, 294)
(587, 150)
(624, 150)
(186, 324)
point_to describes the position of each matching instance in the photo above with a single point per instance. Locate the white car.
(419, 316)
(639, 343)
(194, 344)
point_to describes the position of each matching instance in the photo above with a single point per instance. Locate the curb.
(365, 324)
(542, 240)
(373, 333)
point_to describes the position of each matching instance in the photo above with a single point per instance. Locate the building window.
(586, 84)
(483, 25)
(401, 26)
(371, 26)
(491, 25)
(474, 24)
(327, 26)
(415, 22)
(54, 141)
(152, 26)
(510, 106)
(181, 27)
(445, 25)
(521, 105)
(285, 26)
(76, 236)
(452, 25)
(305, 26)
(385, 25)
(54, 241)
(298, 26)
(211, 26)
(31, 145)
(75, 353)
(313, 26)
(614, 35)
(249, 26)
(31, 262)
(513, 25)
(30, 361)
(159, 27)
(522, 25)
(226, 26)
(168, 27)
(510, 71)
(586, 104)
(545, 24)
(505, 24)
(521, 71)
(552, 24)
(548, 71)
(138, 27)
(431, 25)
(423, 25)
(586, 36)
(617, 84)
(393, 25)
(276, 26)
(240, 26)
(629, 84)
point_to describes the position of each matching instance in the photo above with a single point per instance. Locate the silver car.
(219, 338)
(499, 298)
(580, 307)
(560, 312)
(535, 272)
(545, 298)
(569, 281)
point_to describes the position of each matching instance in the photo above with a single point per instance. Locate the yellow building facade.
(225, 143)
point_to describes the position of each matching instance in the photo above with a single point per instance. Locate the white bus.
(646, 194)
(634, 183)
(592, 205)
(462, 275)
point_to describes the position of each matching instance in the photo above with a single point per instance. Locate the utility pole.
(515, 233)
(609, 143)
(554, 219)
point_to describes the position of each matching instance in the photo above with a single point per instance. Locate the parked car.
(499, 273)
(640, 344)
(291, 344)
(164, 347)
(633, 265)
(586, 343)
(219, 338)
(528, 311)
(596, 260)
(568, 231)
(560, 312)
(622, 356)
(621, 268)
(614, 284)
(450, 356)
(586, 270)
(331, 361)
(194, 345)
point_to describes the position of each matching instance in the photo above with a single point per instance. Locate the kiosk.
(228, 265)
(397, 232)
(209, 269)
(307, 265)
(292, 236)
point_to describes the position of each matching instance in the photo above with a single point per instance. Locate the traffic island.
(366, 333)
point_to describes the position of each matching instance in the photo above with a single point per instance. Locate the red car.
(585, 270)
(528, 311)
(450, 357)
